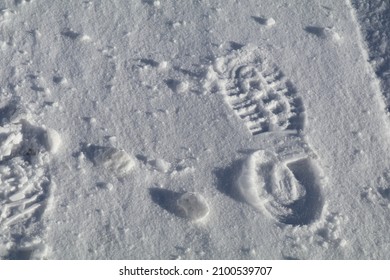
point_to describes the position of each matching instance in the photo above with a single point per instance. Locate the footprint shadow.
(20, 254)
(70, 34)
(166, 199)
(92, 151)
(236, 46)
(315, 30)
(172, 84)
(260, 20)
(225, 180)
(7, 112)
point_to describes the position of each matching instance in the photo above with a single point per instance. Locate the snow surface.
(204, 129)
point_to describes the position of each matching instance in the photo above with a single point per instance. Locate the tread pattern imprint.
(258, 92)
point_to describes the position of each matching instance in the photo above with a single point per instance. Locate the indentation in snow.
(111, 158)
(288, 191)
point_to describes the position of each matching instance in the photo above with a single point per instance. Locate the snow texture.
(194, 129)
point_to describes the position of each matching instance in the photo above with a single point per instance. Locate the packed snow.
(205, 129)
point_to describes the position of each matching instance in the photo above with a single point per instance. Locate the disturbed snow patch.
(188, 205)
(25, 186)
(115, 160)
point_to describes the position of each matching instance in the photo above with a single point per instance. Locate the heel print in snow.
(25, 188)
(288, 188)
(289, 191)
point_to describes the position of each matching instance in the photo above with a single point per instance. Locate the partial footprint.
(187, 205)
(285, 186)
(25, 187)
(257, 91)
(289, 191)
(115, 160)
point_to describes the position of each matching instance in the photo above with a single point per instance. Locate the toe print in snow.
(257, 91)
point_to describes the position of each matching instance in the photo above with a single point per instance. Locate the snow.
(161, 165)
(53, 140)
(194, 129)
(193, 206)
(117, 161)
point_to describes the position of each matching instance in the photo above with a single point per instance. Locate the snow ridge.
(374, 18)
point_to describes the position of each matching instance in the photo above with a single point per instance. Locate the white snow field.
(199, 129)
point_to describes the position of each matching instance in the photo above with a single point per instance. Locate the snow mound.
(161, 165)
(193, 206)
(53, 140)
